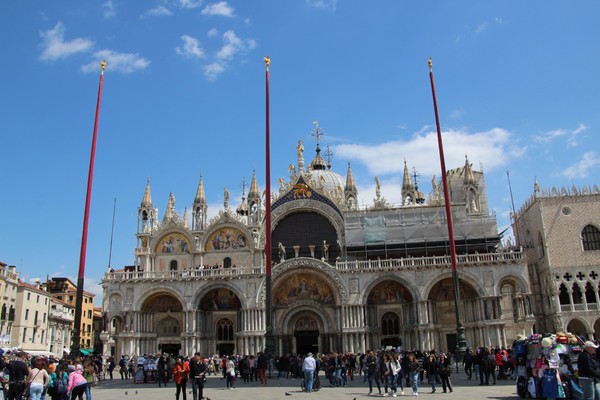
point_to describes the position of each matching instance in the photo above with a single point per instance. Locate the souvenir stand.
(546, 365)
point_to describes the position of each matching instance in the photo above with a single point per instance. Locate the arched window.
(577, 295)
(173, 265)
(227, 262)
(590, 295)
(590, 237)
(225, 330)
(563, 295)
(390, 324)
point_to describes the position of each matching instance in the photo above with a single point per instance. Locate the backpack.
(520, 348)
(61, 385)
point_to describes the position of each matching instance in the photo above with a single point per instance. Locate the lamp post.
(461, 341)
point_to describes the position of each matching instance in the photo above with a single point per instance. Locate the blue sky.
(184, 97)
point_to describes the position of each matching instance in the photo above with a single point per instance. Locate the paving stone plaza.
(290, 388)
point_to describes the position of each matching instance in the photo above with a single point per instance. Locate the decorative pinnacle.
(267, 61)
(103, 66)
(430, 64)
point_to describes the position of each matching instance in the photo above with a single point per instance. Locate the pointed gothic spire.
(254, 193)
(185, 219)
(147, 200)
(170, 210)
(200, 196)
(350, 184)
(407, 184)
(469, 178)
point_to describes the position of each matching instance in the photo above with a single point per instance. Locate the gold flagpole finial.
(430, 64)
(267, 61)
(103, 66)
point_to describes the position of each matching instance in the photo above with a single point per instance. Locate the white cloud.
(481, 27)
(234, 45)
(55, 46)
(212, 32)
(329, 5)
(570, 136)
(457, 114)
(109, 9)
(495, 148)
(157, 11)
(120, 62)
(212, 71)
(582, 168)
(190, 3)
(221, 8)
(191, 48)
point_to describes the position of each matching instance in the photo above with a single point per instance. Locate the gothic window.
(390, 324)
(590, 237)
(577, 295)
(528, 241)
(590, 295)
(173, 265)
(541, 251)
(168, 327)
(225, 330)
(563, 295)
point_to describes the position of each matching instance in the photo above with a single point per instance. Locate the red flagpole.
(460, 330)
(76, 343)
(269, 334)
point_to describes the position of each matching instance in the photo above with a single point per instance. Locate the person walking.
(198, 373)
(261, 364)
(432, 366)
(445, 372)
(413, 370)
(394, 369)
(309, 365)
(370, 368)
(37, 380)
(77, 384)
(58, 382)
(89, 373)
(589, 371)
(181, 372)
(111, 367)
(230, 373)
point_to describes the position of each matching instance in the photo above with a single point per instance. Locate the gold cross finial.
(430, 64)
(267, 61)
(103, 66)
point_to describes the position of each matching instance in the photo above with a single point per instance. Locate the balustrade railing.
(465, 260)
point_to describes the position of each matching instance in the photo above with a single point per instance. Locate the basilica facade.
(344, 277)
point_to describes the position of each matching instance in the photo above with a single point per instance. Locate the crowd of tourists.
(40, 378)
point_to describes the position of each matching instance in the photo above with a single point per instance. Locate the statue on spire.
(300, 151)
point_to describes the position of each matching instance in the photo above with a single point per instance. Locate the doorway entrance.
(170, 348)
(225, 349)
(307, 341)
(451, 342)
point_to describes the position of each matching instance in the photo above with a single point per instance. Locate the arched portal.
(162, 317)
(393, 302)
(577, 327)
(218, 311)
(306, 333)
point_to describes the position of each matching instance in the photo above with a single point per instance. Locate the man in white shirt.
(308, 367)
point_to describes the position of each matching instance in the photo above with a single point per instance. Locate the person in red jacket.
(181, 372)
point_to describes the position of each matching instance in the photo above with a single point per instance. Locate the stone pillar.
(296, 250)
(312, 250)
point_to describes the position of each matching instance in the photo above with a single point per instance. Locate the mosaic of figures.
(220, 299)
(174, 243)
(303, 287)
(389, 292)
(444, 291)
(162, 303)
(226, 238)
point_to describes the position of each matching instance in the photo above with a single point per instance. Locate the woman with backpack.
(59, 380)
